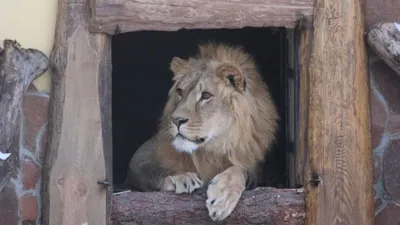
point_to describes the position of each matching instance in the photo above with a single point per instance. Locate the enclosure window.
(142, 79)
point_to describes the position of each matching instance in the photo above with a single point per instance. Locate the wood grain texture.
(105, 95)
(75, 160)
(258, 206)
(303, 60)
(118, 16)
(338, 137)
(18, 68)
(384, 39)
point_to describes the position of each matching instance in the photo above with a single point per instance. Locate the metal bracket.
(105, 183)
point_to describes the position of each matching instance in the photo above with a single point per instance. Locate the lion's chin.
(184, 145)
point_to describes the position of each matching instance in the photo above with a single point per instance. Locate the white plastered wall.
(32, 24)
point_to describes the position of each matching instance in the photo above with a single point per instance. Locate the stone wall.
(20, 201)
(385, 121)
(385, 133)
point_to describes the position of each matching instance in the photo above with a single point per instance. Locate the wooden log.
(79, 147)
(118, 16)
(18, 68)
(338, 168)
(257, 206)
(384, 39)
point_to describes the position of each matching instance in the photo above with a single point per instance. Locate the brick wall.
(385, 132)
(21, 201)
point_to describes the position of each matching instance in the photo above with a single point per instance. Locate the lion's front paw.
(182, 183)
(223, 194)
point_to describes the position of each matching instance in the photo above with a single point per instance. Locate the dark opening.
(141, 80)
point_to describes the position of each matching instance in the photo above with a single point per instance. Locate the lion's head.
(219, 103)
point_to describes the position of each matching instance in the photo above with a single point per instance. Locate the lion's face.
(199, 111)
(219, 103)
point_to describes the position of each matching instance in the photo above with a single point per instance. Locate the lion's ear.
(178, 65)
(233, 75)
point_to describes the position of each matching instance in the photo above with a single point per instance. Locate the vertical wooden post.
(80, 138)
(303, 59)
(338, 168)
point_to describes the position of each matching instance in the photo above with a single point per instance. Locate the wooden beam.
(18, 68)
(384, 39)
(303, 60)
(78, 150)
(338, 166)
(258, 206)
(117, 16)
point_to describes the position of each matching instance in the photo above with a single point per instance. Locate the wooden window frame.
(334, 152)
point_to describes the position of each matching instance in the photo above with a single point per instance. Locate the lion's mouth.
(197, 141)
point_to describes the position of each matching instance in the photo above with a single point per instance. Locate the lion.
(216, 127)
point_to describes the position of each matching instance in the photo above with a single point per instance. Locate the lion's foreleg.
(224, 192)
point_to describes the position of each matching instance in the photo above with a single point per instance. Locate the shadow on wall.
(142, 79)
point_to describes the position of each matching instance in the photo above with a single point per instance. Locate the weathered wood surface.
(118, 16)
(384, 39)
(18, 68)
(105, 95)
(304, 61)
(338, 168)
(257, 206)
(75, 160)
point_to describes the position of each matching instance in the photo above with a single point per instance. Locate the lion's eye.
(180, 91)
(205, 95)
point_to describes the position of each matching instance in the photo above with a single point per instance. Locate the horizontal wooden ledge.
(258, 206)
(119, 16)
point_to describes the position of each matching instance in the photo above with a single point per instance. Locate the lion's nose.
(178, 121)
